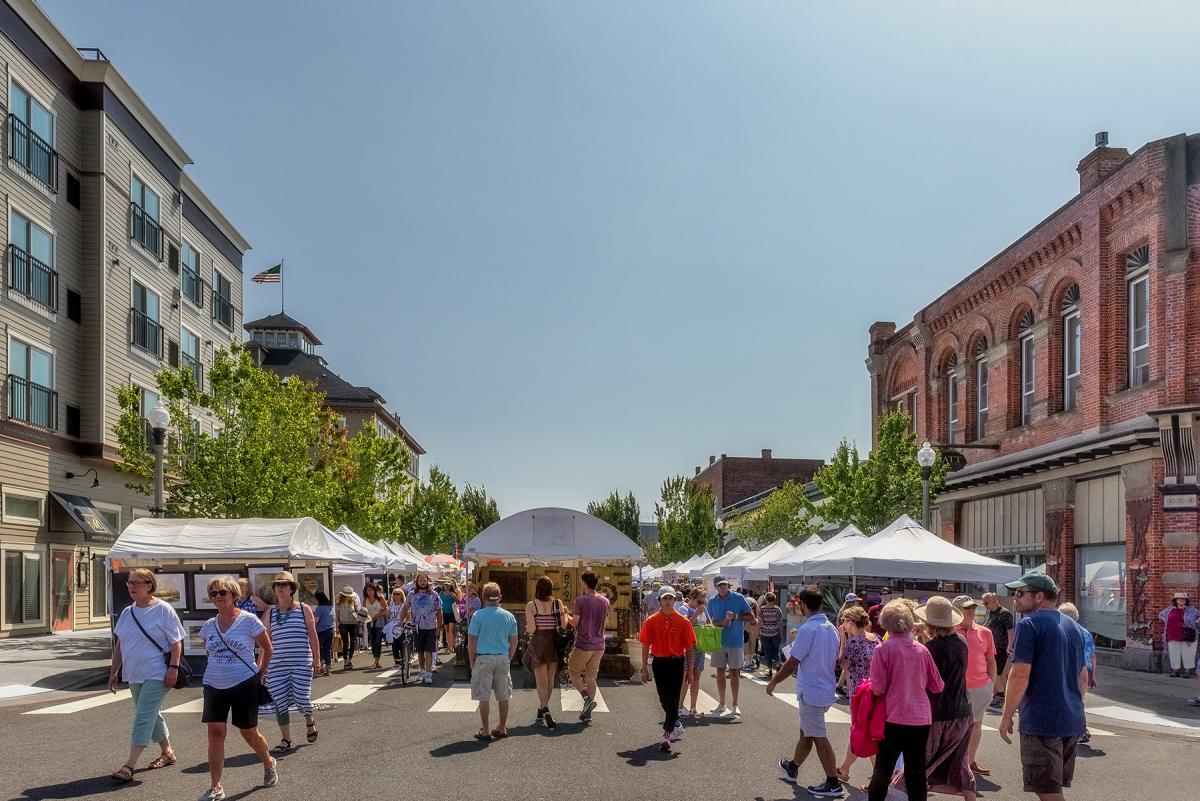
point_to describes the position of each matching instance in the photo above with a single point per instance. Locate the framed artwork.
(172, 588)
(200, 589)
(311, 582)
(193, 645)
(260, 580)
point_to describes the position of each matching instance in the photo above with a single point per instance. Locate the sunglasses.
(135, 583)
(217, 593)
(1021, 593)
(278, 584)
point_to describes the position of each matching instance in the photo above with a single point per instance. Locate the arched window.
(1071, 347)
(1028, 368)
(951, 398)
(981, 388)
(1137, 293)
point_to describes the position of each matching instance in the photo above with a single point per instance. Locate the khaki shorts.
(812, 720)
(491, 674)
(1047, 763)
(584, 663)
(980, 698)
(728, 658)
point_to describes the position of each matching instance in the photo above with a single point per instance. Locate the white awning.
(159, 540)
(552, 536)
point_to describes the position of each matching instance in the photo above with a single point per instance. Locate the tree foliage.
(870, 493)
(784, 514)
(481, 508)
(434, 515)
(622, 513)
(687, 524)
(370, 483)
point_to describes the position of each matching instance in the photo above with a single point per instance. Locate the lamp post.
(925, 457)
(720, 536)
(160, 418)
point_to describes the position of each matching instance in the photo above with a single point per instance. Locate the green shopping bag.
(708, 639)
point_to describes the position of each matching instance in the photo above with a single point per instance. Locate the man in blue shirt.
(1047, 682)
(491, 645)
(813, 657)
(729, 610)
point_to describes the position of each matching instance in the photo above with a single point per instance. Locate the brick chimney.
(697, 469)
(766, 454)
(712, 459)
(1100, 163)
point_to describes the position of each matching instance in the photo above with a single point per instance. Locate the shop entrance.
(62, 575)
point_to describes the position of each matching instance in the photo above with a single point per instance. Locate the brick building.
(736, 478)
(1075, 355)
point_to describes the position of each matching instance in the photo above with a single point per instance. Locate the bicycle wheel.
(405, 656)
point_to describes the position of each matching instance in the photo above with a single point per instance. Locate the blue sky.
(584, 245)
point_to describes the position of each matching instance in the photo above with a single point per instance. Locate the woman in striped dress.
(295, 658)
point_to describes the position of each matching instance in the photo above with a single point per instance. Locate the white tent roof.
(413, 561)
(792, 563)
(371, 554)
(175, 539)
(780, 565)
(905, 550)
(694, 565)
(736, 570)
(756, 569)
(553, 535)
(714, 567)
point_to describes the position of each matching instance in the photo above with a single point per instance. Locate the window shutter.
(74, 306)
(73, 426)
(73, 190)
(173, 257)
(173, 353)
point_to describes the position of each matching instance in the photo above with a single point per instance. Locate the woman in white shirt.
(150, 656)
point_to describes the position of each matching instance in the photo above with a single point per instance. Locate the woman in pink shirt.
(902, 671)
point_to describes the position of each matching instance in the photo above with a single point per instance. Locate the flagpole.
(281, 286)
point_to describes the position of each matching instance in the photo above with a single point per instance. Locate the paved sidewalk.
(1149, 701)
(69, 661)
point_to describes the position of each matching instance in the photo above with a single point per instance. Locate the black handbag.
(264, 695)
(1189, 635)
(183, 674)
(566, 637)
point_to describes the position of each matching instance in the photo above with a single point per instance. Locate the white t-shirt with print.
(225, 668)
(142, 660)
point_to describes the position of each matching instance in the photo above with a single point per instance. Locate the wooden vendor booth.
(561, 544)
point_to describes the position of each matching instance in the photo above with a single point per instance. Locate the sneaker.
(588, 706)
(548, 719)
(734, 711)
(788, 770)
(213, 794)
(696, 713)
(541, 713)
(664, 746)
(719, 710)
(271, 774)
(1086, 738)
(831, 788)
(683, 713)
(677, 732)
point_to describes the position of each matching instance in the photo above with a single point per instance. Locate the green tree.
(622, 513)
(261, 463)
(686, 522)
(434, 515)
(785, 513)
(369, 483)
(870, 493)
(481, 508)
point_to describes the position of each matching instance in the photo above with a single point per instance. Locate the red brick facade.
(1136, 215)
(736, 478)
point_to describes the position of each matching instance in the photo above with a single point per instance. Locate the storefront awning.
(93, 525)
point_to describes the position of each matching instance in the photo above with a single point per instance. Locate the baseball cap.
(667, 592)
(1034, 580)
(722, 580)
(964, 602)
(850, 596)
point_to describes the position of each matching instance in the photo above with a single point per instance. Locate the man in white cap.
(981, 672)
(730, 611)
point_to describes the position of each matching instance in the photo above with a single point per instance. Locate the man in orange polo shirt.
(670, 637)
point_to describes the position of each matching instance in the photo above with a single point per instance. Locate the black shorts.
(426, 640)
(240, 699)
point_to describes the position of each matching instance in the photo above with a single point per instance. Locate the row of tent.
(902, 550)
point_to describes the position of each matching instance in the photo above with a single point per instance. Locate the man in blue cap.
(1046, 682)
(729, 610)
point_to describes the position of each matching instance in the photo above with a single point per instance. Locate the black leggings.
(325, 641)
(668, 679)
(375, 635)
(349, 637)
(900, 739)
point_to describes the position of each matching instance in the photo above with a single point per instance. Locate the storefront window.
(99, 582)
(1100, 574)
(22, 587)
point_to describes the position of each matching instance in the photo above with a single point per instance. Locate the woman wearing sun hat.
(348, 620)
(1179, 634)
(296, 657)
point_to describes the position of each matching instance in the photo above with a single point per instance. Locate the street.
(379, 739)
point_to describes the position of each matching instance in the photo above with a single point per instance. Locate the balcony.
(145, 334)
(32, 153)
(32, 403)
(193, 287)
(193, 365)
(222, 310)
(145, 230)
(31, 278)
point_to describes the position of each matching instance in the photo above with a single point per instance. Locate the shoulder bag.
(264, 695)
(708, 639)
(566, 637)
(183, 674)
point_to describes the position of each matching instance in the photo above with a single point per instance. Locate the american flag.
(274, 275)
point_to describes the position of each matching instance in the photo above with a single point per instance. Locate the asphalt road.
(390, 745)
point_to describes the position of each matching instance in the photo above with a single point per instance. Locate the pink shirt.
(980, 646)
(903, 671)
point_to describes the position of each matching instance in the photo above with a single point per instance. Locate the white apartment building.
(115, 266)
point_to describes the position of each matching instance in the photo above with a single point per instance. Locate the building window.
(31, 261)
(189, 355)
(222, 300)
(22, 506)
(111, 515)
(981, 388)
(143, 218)
(99, 585)
(1071, 346)
(1028, 368)
(22, 587)
(31, 137)
(192, 283)
(31, 395)
(1137, 278)
(1100, 572)
(144, 331)
(951, 399)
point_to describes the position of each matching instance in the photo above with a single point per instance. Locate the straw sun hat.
(284, 577)
(347, 590)
(938, 611)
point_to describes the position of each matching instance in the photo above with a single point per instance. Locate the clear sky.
(584, 245)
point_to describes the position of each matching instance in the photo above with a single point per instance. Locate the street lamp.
(720, 537)
(160, 418)
(925, 457)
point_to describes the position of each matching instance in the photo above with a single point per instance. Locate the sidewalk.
(1145, 699)
(69, 661)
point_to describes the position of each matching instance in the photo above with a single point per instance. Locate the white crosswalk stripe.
(196, 705)
(570, 700)
(79, 706)
(20, 690)
(350, 694)
(456, 699)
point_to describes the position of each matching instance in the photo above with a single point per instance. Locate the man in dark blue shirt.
(1046, 682)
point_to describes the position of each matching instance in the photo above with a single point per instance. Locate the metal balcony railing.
(33, 153)
(145, 334)
(222, 310)
(145, 230)
(189, 362)
(193, 287)
(32, 278)
(32, 403)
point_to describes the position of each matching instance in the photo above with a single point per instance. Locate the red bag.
(867, 718)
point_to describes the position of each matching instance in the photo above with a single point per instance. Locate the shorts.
(812, 719)
(584, 663)
(1047, 763)
(241, 700)
(698, 660)
(731, 658)
(425, 641)
(980, 698)
(491, 674)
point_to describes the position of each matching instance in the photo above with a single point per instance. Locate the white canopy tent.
(757, 569)
(780, 566)
(693, 568)
(552, 535)
(790, 565)
(158, 541)
(715, 567)
(387, 559)
(414, 562)
(905, 550)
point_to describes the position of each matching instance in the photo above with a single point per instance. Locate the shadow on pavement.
(641, 757)
(75, 679)
(239, 761)
(79, 788)
(461, 747)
